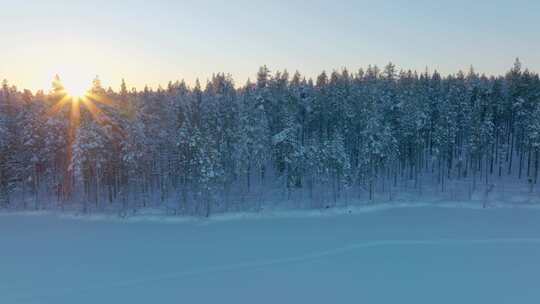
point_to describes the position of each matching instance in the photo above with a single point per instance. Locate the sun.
(79, 93)
(76, 89)
(74, 80)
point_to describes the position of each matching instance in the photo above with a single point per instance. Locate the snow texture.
(381, 254)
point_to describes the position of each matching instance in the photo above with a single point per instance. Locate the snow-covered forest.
(377, 134)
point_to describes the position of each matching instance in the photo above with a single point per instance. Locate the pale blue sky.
(151, 42)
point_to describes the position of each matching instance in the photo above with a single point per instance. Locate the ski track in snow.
(277, 261)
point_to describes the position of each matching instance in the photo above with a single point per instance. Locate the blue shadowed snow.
(404, 255)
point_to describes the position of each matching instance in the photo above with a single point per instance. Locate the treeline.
(343, 137)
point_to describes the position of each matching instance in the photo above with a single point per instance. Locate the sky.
(153, 42)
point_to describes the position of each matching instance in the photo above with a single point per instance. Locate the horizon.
(253, 77)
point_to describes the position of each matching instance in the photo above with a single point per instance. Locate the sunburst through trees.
(74, 104)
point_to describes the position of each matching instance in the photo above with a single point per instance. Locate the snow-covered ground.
(395, 255)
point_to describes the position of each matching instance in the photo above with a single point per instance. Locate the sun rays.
(77, 100)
